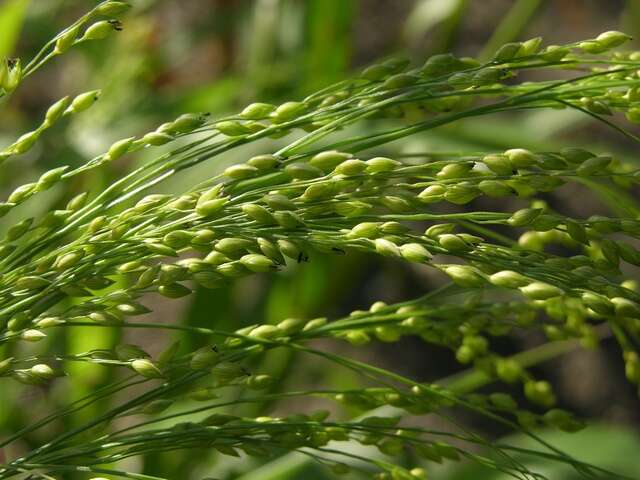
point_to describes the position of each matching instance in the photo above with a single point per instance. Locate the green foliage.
(95, 265)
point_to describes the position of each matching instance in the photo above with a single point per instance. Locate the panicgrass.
(323, 193)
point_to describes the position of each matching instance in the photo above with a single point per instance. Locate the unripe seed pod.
(146, 203)
(632, 367)
(232, 269)
(263, 162)
(31, 282)
(258, 213)
(625, 307)
(508, 279)
(289, 249)
(51, 177)
(19, 321)
(593, 165)
(19, 229)
(612, 38)
(177, 239)
(66, 40)
(232, 245)
(327, 161)
(257, 111)
(185, 123)
(317, 191)
(540, 291)
(210, 207)
(174, 290)
(287, 219)
(265, 332)
(48, 322)
(351, 209)
(270, 250)
(5, 366)
(225, 372)
(364, 230)
(112, 8)
(78, 201)
(488, 76)
(503, 401)
(633, 115)
(495, 188)
(56, 111)
(156, 138)
(216, 258)
(452, 242)
(10, 74)
(256, 262)
(84, 101)
(207, 279)
(290, 326)
(575, 155)
(350, 167)
(146, 368)
(357, 337)
(381, 164)
(598, 303)
(161, 249)
(461, 193)
(376, 72)
(508, 370)
(43, 371)
(524, 217)
(464, 275)
(203, 359)
(21, 193)
(530, 47)
(119, 148)
(522, 158)
(172, 273)
(539, 392)
(455, 170)
(394, 228)
(507, 52)
(434, 231)
(554, 53)
(68, 260)
(126, 352)
(302, 171)
(576, 232)
(288, 111)
(386, 248)
(203, 237)
(101, 29)
(414, 252)
(592, 46)
(4, 72)
(231, 128)
(32, 335)
(25, 143)
(279, 202)
(400, 80)
(433, 193)
(241, 171)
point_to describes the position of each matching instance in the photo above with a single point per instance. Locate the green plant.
(327, 192)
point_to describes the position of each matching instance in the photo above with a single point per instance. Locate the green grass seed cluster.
(328, 194)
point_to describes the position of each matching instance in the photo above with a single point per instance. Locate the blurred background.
(219, 55)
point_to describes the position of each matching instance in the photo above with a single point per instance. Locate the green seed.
(540, 291)
(257, 111)
(146, 368)
(256, 262)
